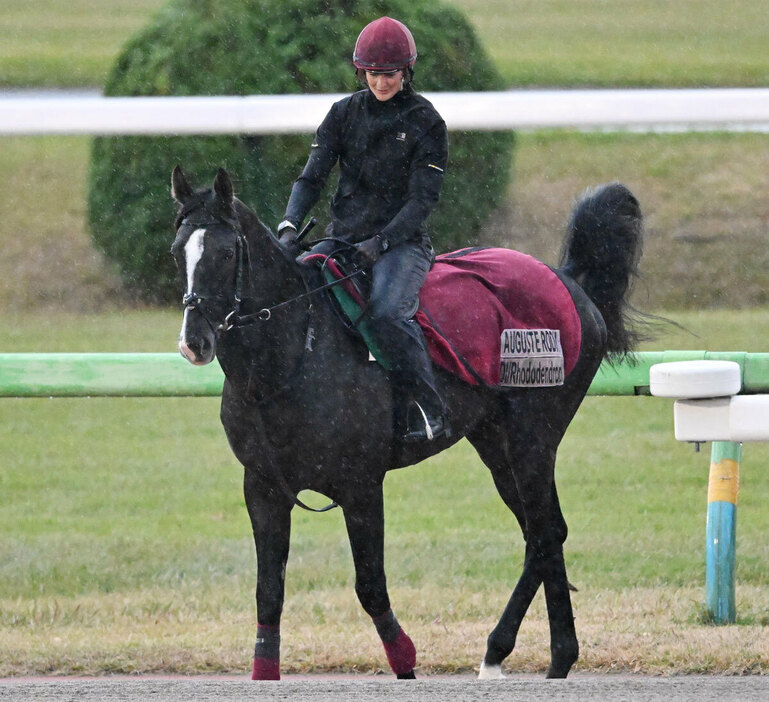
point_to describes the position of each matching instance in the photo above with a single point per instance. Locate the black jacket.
(392, 156)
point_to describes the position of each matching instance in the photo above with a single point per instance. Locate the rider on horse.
(392, 149)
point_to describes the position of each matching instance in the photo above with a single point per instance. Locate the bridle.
(233, 319)
(196, 301)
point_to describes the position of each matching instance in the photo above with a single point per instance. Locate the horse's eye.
(227, 254)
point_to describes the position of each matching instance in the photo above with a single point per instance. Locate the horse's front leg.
(364, 516)
(271, 522)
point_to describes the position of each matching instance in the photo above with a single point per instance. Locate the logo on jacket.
(400, 136)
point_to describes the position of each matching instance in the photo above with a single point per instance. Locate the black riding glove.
(367, 252)
(287, 235)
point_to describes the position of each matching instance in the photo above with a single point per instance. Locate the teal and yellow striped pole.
(721, 531)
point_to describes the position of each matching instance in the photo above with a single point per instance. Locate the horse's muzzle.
(197, 358)
(198, 347)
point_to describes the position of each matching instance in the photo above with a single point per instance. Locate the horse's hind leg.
(364, 517)
(523, 472)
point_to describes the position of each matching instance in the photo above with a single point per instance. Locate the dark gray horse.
(303, 408)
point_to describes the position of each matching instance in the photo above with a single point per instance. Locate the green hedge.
(241, 47)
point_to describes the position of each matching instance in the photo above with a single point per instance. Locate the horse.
(303, 407)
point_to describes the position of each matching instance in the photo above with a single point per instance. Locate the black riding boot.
(396, 279)
(425, 412)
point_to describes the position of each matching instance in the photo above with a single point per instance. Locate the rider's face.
(384, 85)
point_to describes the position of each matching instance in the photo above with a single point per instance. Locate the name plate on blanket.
(531, 358)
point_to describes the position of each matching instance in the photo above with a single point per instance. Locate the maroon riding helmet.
(384, 45)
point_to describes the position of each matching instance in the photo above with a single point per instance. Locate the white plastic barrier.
(707, 406)
(695, 379)
(740, 419)
(712, 108)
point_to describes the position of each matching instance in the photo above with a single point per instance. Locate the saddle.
(349, 299)
(490, 316)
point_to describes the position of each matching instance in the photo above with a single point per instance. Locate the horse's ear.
(180, 188)
(223, 186)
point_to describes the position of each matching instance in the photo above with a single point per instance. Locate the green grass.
(702, 196)
(546, 43)
(123, 532)
(48, 257)
(51, 43)
(124, 543)
(653, 43)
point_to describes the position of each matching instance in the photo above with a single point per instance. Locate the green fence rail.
(631, 377)
(169, 375)
(106, 375)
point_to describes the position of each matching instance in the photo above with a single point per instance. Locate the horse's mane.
(248, 218)
(251, 224)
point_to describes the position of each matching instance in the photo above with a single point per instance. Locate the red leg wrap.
(267, 653)
(266, 669)
(401, 654)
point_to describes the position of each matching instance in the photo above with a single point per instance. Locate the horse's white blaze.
(193, 252)
(490, 672)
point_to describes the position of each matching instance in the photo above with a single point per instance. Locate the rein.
(232, 320)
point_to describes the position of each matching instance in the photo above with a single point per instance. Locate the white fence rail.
(700, 109)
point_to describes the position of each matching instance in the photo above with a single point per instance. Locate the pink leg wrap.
(266, 669)
(401, 654)
(267, 653)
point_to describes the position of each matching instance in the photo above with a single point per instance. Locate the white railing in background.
(692, 109)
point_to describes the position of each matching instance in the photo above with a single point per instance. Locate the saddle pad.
(472, 296)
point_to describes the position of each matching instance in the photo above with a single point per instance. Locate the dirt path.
(362, 689)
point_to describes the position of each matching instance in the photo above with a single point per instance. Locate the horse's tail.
(601, 252)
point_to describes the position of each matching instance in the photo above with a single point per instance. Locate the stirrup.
(430, 429)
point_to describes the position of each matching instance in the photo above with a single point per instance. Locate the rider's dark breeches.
(396, 279)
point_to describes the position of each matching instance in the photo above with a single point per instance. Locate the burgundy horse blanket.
(499, 317)
(490, 316)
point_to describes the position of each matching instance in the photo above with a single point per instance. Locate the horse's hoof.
(559, 671)
(407, 676)
(562, 660)
(490, 672)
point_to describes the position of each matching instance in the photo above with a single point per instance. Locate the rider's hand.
(287, 235)
(367, 252)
